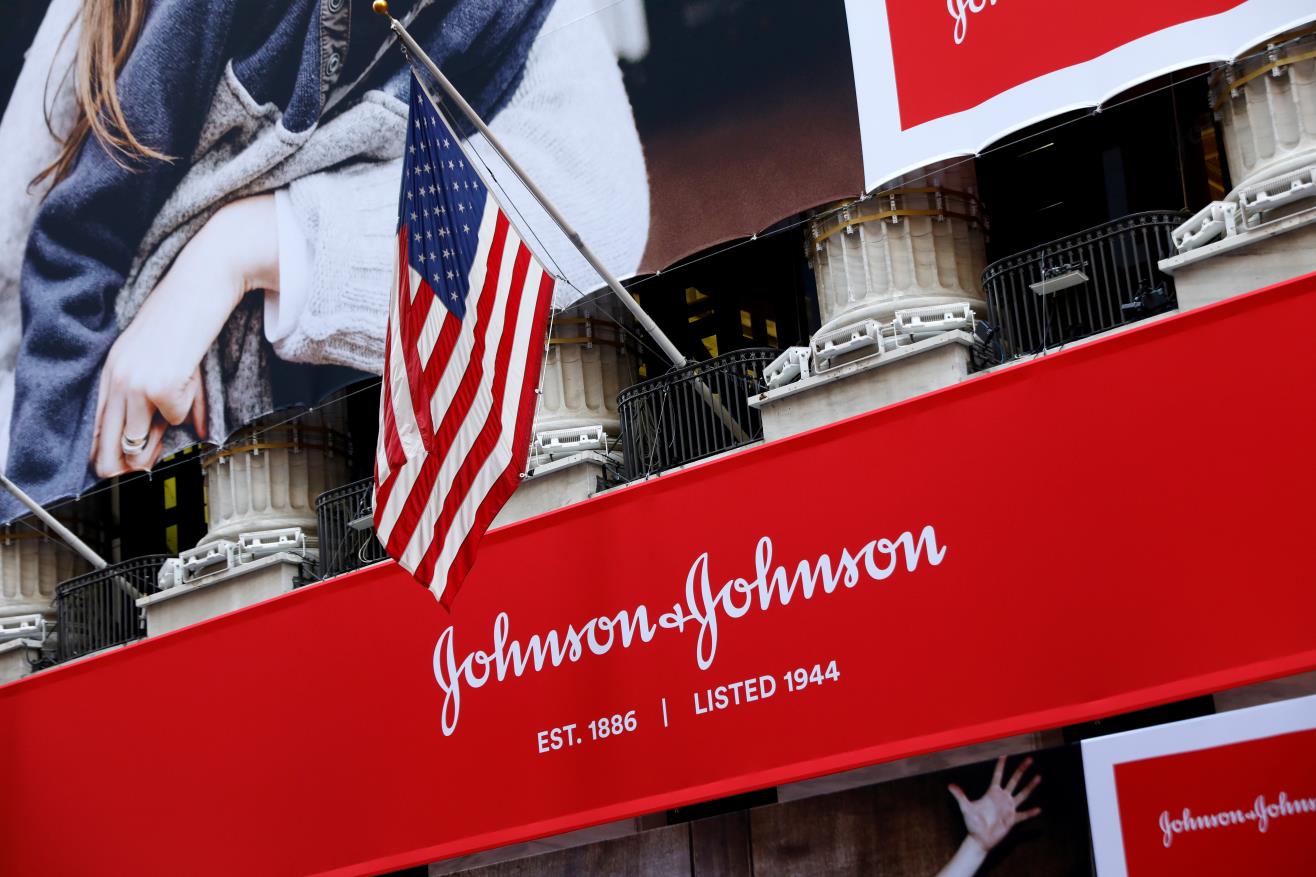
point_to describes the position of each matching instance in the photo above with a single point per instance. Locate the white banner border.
(889, 152)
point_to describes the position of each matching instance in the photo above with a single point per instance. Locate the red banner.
(1094, 531)
(979, 48)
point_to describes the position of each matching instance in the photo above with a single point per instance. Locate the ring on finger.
(132, 446)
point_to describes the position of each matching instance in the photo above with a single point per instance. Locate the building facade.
(1012, 421)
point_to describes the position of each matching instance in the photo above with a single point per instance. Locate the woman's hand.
(152, 376)
(990, 818)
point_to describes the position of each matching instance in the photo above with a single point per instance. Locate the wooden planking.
(720, 846)
(909, 826)
(912, 826)
(662, 852)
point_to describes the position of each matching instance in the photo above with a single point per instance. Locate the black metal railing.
(98, 609)
(692, 412)
(1095, 280)
(347, 533)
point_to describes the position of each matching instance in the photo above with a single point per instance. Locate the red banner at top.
(1095, 531)
(952, 56)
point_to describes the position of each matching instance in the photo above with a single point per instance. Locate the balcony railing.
(692, 412)
(98, 609)
(347, 535)
(1083, 284)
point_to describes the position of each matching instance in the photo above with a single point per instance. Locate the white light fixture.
(792, 364)
(217, 556)
(558, 443)
(170, 575)
(846, 339)
(265, 543)
(14, 627)
(926, 322)
(1057, 282)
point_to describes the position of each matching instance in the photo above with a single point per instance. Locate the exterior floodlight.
(846, 339)
(14, 627)
(791, 365)
(557, 443)
(1056, 282)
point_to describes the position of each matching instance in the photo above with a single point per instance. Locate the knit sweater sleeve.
(347, 217)
(569, 123)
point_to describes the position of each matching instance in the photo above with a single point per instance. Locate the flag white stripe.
(405, 419)
(404, 416)
(503, 451)
(455, 456)
(382, 468)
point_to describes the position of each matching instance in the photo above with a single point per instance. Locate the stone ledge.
(1243, 240)
(1268, 254)
(16, 657)
(555, 485)
(220, 593)
(599, 457)
(862, 366)
(865, 385)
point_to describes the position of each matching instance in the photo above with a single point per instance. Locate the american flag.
(461, 361)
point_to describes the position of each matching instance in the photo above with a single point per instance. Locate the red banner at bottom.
(1251, 804)
(1095, 531)
(1233, 793)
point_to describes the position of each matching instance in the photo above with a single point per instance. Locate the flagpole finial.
(381, 8)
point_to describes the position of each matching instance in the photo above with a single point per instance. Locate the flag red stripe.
(414, 310)
(389, 426)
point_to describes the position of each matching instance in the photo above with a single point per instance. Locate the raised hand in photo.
(990, 818)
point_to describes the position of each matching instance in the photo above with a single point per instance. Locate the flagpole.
(56, 527)
(668, 348)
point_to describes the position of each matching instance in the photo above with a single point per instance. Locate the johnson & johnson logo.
(960, 10)
(1260, 815)
(702, 611)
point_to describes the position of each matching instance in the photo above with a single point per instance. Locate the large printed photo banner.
(940, 80)
(657, 130)
(831, 600)
(1233, 793)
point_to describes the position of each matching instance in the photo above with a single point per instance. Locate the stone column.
(586, 367)
(1268, 116)
(267, 477)
(920, 243)
(1266, 105)
(32, 563)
